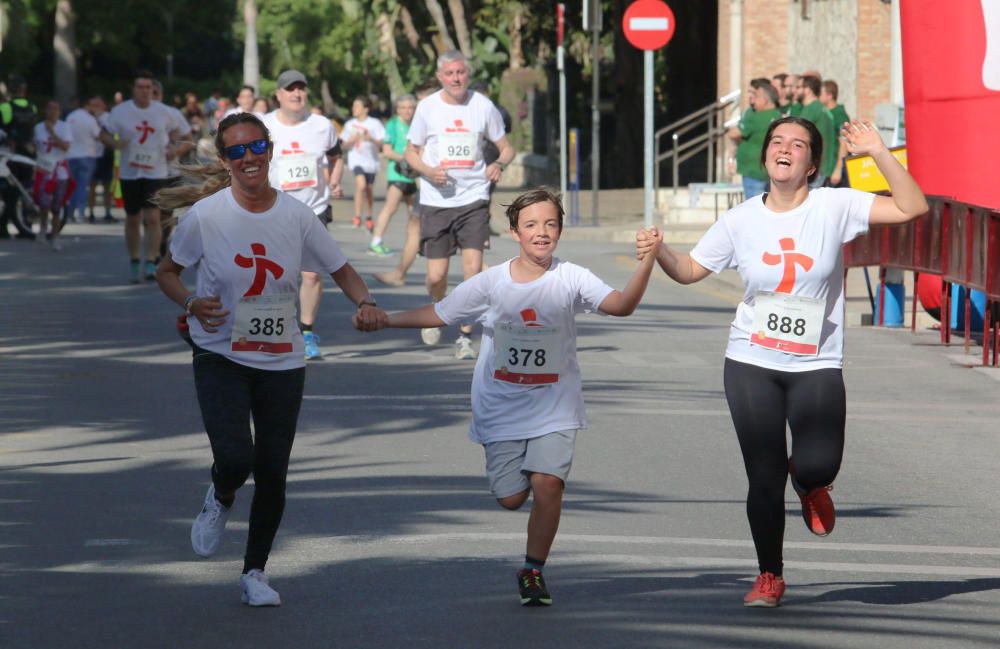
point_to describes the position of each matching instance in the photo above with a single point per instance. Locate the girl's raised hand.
(862, 138)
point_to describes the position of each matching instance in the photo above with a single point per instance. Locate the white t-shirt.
(364, 153)
(86, 132)
(103, 120)
(147, 132)
(49, 157)
(452, 137)
(234, 249)
(179, 126)
(801, 251)
(506, 410)
(300, 158)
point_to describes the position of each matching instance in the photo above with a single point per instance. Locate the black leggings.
(229, 393)
(761, 401)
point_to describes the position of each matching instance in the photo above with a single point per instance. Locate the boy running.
(527, 402)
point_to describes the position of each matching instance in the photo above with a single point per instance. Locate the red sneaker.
(767, 591)
(356, 221)
(818, 511)
(370, 224)
(817, 506)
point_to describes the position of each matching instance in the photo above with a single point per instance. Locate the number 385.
(267, 326)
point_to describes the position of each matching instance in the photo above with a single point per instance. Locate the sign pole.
(648, 25)
(593, 21)
(560, 62)
(647, 57)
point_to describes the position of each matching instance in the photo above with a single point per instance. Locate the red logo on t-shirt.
(790, 258)
(146, 129)
(263, 266)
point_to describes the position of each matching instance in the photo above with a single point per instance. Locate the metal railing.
(712, 119)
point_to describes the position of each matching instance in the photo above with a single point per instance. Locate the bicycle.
(26, 207)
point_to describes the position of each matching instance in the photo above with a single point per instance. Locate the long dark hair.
(815, 142)
(204, 180)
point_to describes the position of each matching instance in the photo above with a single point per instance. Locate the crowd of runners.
(250, 220)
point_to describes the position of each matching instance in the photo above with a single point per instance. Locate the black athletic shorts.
(408, 189)
(138, 194)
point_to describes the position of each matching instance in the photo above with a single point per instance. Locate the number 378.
(522, 357)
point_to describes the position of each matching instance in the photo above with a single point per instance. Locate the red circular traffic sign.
(648, 24)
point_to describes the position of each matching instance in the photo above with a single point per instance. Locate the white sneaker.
(256, 590)
(206, 531)
(463, 349)
(430, 336)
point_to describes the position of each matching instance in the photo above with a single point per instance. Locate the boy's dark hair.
(815, 142)
(540, 195)
(366, 101)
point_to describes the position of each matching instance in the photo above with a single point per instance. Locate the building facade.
(848, 41)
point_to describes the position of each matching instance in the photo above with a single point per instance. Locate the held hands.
(647, 242)
(369, 318)
(209, 312)
(862, 138)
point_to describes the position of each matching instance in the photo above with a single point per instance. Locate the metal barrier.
(711, 119)
(958, 241)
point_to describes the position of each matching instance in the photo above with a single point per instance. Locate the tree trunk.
(443, 41)
(387, 52)
(251, 58)
(516, 61)
(406, 19)
(64, 46)
(461, 27)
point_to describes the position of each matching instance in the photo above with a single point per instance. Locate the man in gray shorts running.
(445, 146)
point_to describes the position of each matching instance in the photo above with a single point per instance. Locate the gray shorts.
(509, 464)
(443, 230)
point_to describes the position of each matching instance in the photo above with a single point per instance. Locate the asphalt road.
(390, 537)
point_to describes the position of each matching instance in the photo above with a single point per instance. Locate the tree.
(251, 58)
(64, 48)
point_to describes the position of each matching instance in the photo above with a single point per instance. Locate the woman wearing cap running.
(784, 358)
(249, 243)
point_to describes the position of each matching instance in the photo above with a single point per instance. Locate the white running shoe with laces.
(206, 531)
(256, 590)
(464, 350)
(430, 336)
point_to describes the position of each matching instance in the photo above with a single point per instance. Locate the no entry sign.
(648, 24)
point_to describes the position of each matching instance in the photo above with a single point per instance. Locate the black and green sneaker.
(531, 584)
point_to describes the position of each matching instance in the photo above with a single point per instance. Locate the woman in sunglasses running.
(249, 243)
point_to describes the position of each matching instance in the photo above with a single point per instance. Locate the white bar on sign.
(648, 24)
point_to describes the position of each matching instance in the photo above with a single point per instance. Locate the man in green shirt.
(750, 136)
(794, 106)
(814, 111)
(828, 95)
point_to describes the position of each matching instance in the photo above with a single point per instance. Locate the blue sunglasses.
(237, 151)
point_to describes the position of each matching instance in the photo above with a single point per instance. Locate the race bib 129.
(297, 171)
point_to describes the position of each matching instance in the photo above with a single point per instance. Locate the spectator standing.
(104, 172)
(814, 111)
(52, 178)
(17, 118)
(789, 90)
(749, 134)
(84, 153)
(828, 96)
